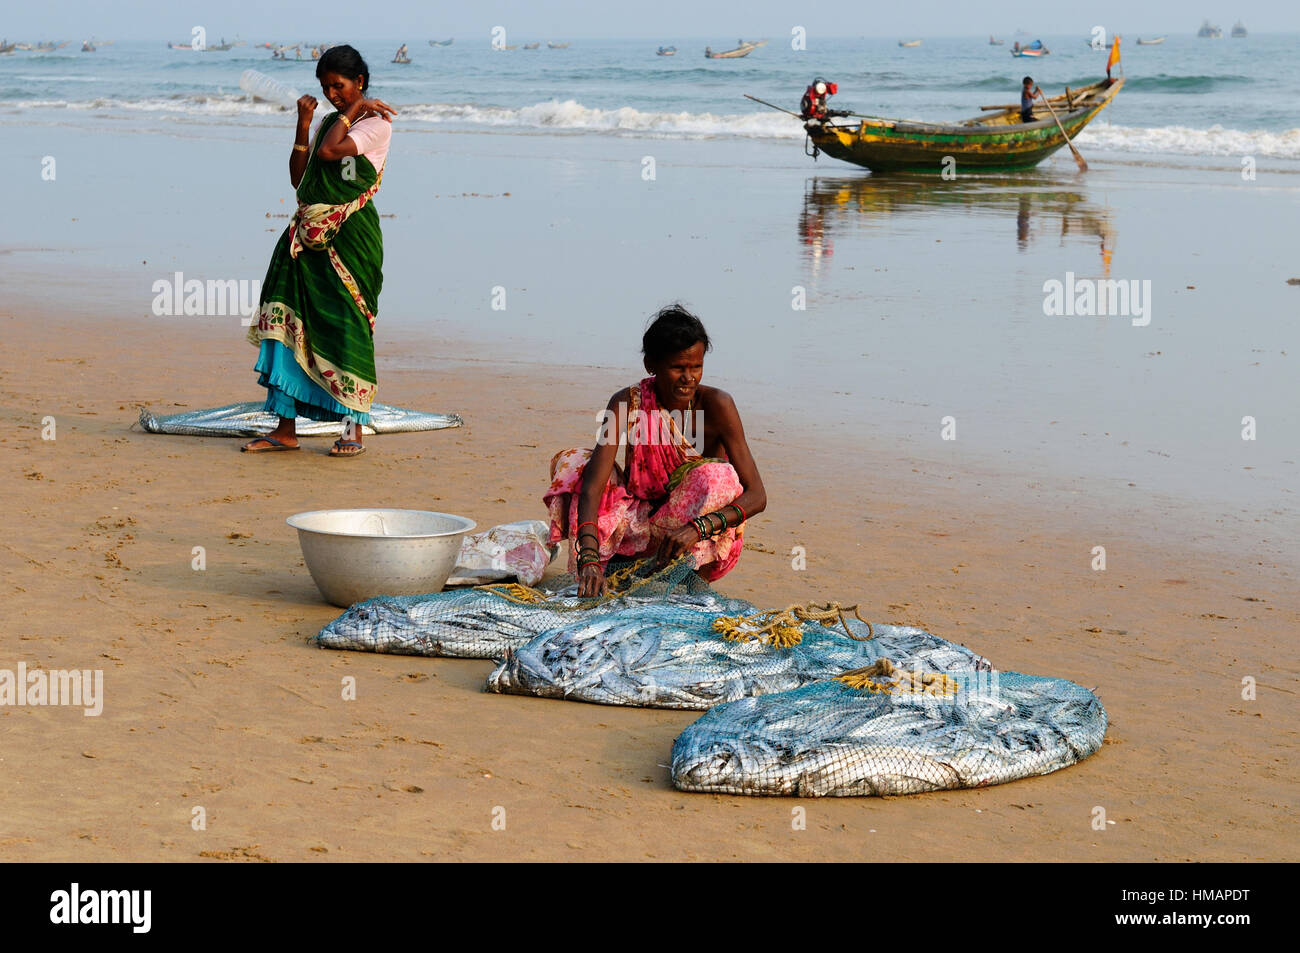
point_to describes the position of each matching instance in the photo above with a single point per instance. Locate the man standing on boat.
(1027, 99)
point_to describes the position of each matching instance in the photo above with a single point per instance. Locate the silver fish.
(249, 419)
(831, 740)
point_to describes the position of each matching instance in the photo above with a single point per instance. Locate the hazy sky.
(668, 20)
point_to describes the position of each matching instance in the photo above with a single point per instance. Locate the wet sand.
(214, 699)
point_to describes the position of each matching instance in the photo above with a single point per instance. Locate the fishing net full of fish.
(249, 419)
(488, 621)
(882, 731)
(695, 656)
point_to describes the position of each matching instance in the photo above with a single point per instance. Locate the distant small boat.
(1209, 31)
(994, 41)
(505, 47)
(1035, 48)
(1156, 42)
(86, 47)
(531, 46)
(909, 43)
(666, 51)
(442, 42)
(1239, 30)
(404, 59)
(7, 48)
(556, 46)
(739, 51)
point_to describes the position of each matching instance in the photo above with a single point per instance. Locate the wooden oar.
(1083, 166)
(773, 105)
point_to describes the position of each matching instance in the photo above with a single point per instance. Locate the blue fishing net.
(673, 656)
(899, 734)
(487, 621)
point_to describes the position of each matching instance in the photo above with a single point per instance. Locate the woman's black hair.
(345, 61)
(672, 329)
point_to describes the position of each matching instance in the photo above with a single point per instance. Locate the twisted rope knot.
(780, 628)
(870, 679)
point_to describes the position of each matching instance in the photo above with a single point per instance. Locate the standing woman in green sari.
(316, 321)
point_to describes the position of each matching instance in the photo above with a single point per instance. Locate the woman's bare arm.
(726, 419)
(337, 143)
(298, 156)
(594, 478)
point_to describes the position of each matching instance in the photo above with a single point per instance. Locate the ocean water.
(1187, 96)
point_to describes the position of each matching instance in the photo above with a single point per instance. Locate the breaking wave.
(571, 116)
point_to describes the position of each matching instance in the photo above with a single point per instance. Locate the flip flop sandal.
(340, 444)
(275, 445)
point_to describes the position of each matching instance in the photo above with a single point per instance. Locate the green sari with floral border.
(322, 287)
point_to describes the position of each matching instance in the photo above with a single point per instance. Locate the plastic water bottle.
(264, 87)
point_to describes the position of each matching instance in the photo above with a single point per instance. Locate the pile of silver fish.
(651, 656)
(249, 419)
(474, 623)
(829, 740)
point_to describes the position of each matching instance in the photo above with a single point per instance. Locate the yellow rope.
(516, 592)
(870, 679)
(617, 583)
(780, 627)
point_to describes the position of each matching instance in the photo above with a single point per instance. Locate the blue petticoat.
(291, 393)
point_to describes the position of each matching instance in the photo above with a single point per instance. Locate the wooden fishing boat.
(1210, 31)
(532, 46)
(994, 41)
(909, 43)
(666, 51)
(994, 141)
(442, 42)
(556, 46)
(1156, 42)
(1239, 31)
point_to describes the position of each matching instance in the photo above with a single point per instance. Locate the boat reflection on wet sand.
(1040, 205)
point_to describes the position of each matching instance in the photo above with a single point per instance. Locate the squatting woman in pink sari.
(688, 480)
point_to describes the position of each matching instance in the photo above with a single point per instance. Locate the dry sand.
(214, 699)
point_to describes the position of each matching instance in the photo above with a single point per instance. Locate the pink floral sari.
(638, 509)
